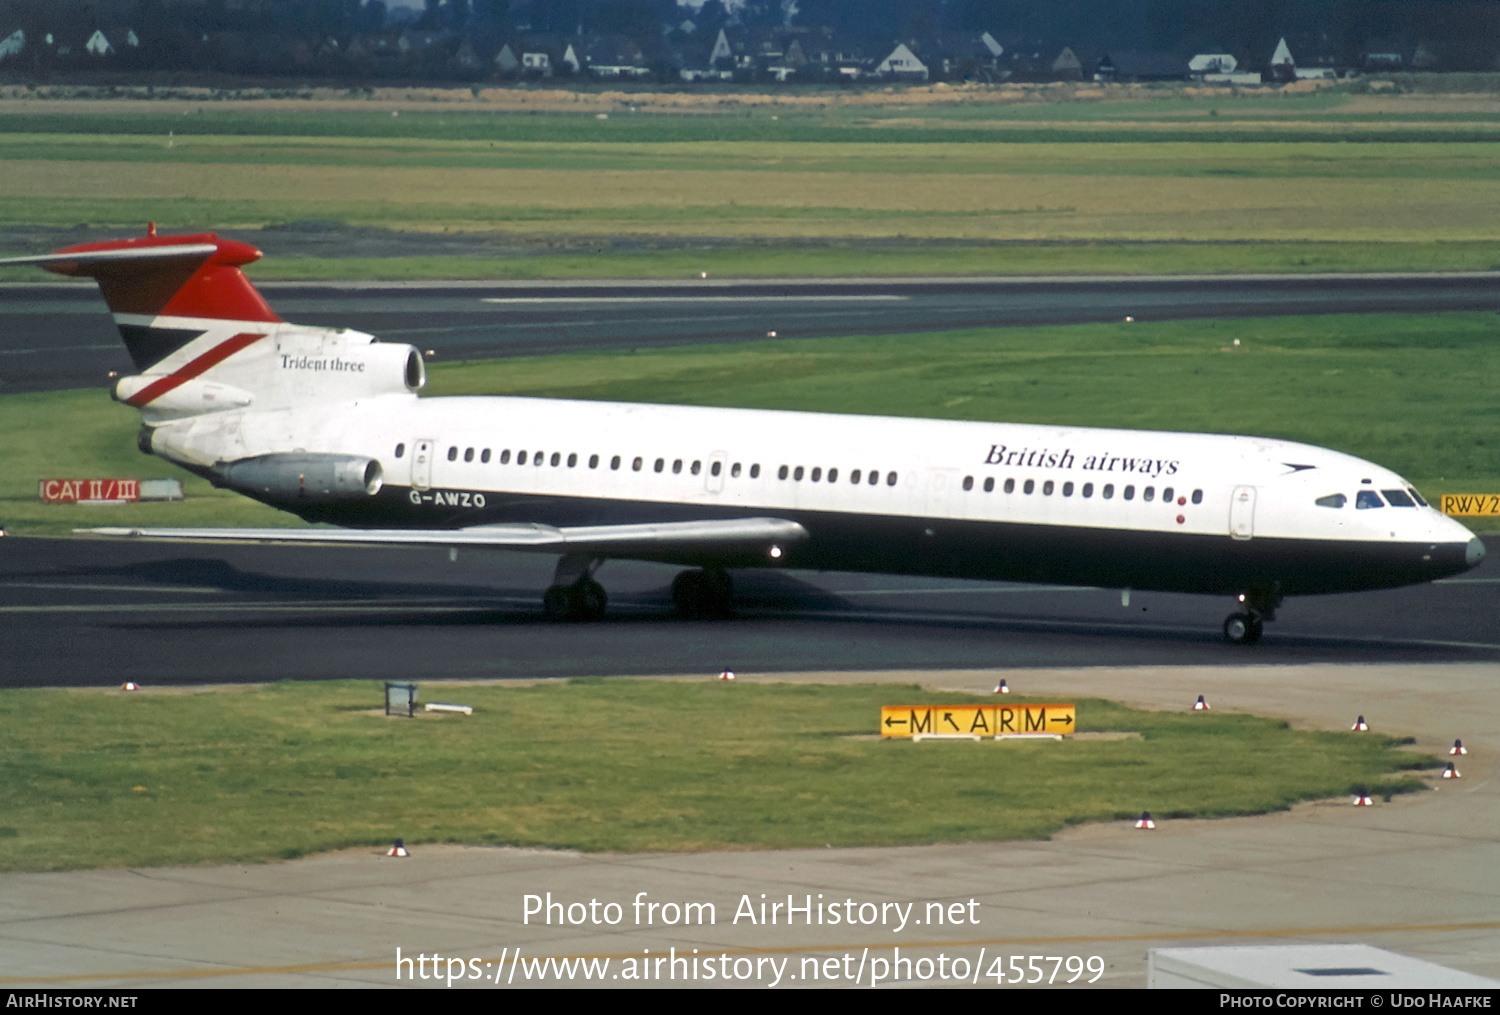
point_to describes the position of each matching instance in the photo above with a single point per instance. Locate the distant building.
(903, 65)
(1067, 66)
(1213, 63)
(13, 44)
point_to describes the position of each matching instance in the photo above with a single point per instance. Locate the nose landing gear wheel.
(1243, 628)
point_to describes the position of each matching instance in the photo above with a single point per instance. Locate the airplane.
(328, 424)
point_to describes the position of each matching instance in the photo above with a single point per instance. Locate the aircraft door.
(1242, 513)
(713, 479)
(421, 462)
(945, 494)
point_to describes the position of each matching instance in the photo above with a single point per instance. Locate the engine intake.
(308, 478)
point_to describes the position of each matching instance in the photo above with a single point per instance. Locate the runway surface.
(79, 612)
(56, 336)
(1419, 875)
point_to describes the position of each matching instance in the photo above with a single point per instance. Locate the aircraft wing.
(736, 538)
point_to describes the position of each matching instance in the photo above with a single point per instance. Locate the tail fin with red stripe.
(209, 350)
(167, 291)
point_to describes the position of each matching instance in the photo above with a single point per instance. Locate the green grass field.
(101, 778)
(1416, 393)
(1267, 182)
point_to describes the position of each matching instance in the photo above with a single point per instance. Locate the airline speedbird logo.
(193, 368)
(1046, 458)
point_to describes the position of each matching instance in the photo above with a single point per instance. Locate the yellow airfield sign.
(1471, 505)
(976, 720)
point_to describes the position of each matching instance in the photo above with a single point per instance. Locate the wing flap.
(727, 537)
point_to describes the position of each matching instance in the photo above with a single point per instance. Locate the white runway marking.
(110, 588)
(334, 606)
(970, 592)
(693, 299)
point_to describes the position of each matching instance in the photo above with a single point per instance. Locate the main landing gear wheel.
(1243, 628)
(703, 594)
(582, 601)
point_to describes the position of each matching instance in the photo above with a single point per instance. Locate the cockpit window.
(1416, 496)
(1398, 498)
(1368, 499)
(1333, 500)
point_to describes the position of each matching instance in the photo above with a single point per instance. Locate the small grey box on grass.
(400, 699)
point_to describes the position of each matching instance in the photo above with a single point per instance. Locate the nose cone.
(1474, 552)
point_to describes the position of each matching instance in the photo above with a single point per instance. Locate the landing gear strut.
(703, 594)
(1245, 628)
(574, 595)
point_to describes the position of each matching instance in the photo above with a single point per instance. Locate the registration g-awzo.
(328, 424)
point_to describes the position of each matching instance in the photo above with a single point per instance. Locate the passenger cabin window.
(453, 454)
(816, 475)
(505, 457)
(661, 463)
(718, 467)
(1148, 494)
(989, 484)
(556, 459)
(593, 461)
(1130, 493)
(614, 463)
(854, 477)
(781, 473)
(1067, 489)
(572, 459)
(1030, 486)
(538, 458)
(755, 471)
(1088, 489)
(833, 475)
(677, 467)
(1010, 486)
(1197, 496)
(1108, 491)
(874, 476)
(469, 455)
(1166, 495)
(635, 466)
(1367, 499)
(1398, 498)
(485, 456)
(797, 473)
(734, 470)
(697, 468)
(400, 450)
(890, 479)
(1333, 500)
(968, 482)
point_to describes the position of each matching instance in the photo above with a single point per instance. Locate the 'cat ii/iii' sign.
(977, 720)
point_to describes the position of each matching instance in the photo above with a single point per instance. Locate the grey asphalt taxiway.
(60, 335)
(85, 612)
(1418, 875)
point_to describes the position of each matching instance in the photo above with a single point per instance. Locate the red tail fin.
(159, 287)
(170, 276)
